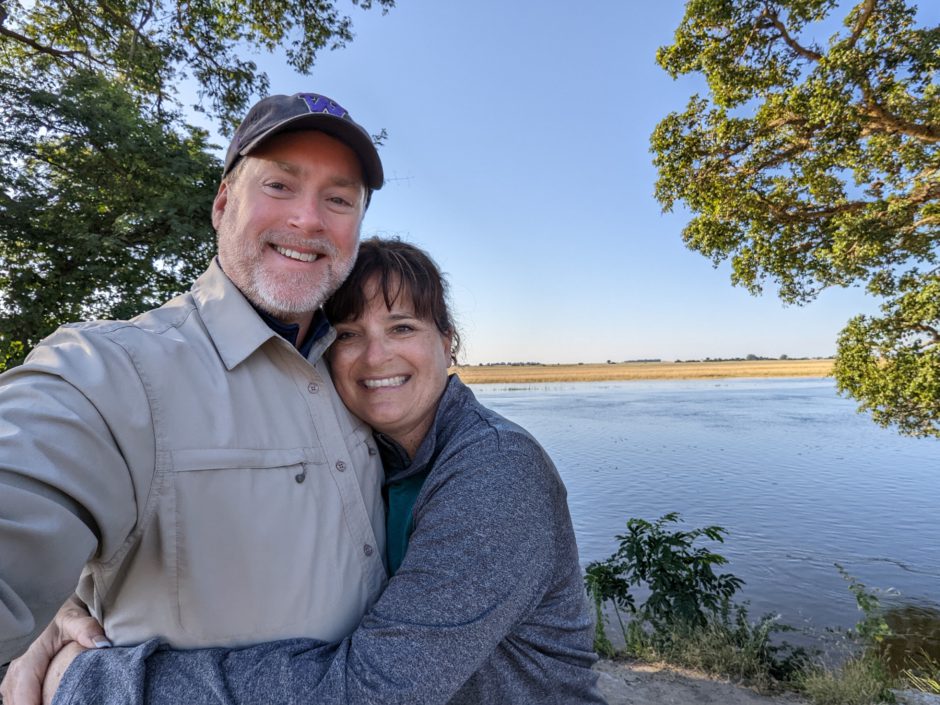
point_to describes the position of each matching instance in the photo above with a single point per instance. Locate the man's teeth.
(294, 254)
(387, 382)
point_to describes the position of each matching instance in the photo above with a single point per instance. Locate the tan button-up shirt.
(206, 476)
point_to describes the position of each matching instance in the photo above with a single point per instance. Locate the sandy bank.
(602, 372)
(634, 683)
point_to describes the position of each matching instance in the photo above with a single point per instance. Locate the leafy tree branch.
(809, 166)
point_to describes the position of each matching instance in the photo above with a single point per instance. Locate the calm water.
(798, 479)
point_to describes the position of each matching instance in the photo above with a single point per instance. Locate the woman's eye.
(404, 328)
(343, 335)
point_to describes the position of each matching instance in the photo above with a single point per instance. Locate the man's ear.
(218, 205)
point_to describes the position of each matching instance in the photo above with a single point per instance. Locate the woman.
(486, 603)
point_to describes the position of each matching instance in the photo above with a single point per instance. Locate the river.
(798, 478)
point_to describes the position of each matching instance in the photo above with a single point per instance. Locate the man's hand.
(72, 625)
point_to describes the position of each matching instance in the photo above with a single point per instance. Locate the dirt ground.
(634, 683)
(629, 683)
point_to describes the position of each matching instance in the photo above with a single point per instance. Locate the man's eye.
(340, 201)
(276, 186)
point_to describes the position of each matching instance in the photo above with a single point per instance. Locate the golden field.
(603, 372)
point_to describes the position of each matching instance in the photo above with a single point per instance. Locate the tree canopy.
(813, 162)
(105, 190)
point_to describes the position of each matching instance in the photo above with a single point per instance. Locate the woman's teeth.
(387, 382)
(294, 254)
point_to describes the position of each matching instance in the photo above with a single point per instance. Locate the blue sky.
(518, 156)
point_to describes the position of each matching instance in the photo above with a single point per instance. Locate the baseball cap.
(304, 111)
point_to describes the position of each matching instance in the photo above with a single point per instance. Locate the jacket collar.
(451, 406)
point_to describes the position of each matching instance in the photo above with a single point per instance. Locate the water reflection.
(915, 636)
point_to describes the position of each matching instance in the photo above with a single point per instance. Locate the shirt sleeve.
(65, 491)
(477, 563)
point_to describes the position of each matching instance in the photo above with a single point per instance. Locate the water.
(796, 476)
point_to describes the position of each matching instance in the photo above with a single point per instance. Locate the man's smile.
(294, 254)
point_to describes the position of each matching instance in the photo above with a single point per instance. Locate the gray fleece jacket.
(487, 608)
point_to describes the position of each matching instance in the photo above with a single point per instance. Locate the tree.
(105, 190)
(813, 165)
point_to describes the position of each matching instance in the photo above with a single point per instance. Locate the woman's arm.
(478, 561)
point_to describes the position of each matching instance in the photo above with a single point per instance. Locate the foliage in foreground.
(923, 675)
(864, 677)
(813, 164)
(689, 619)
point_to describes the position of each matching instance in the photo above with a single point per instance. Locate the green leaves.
(814, 164)
(105, 190)
(150, 45)
(684, 589)
(105, 217)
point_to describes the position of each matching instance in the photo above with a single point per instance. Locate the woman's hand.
(47, 657)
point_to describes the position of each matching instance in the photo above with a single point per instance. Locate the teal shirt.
(399, 522)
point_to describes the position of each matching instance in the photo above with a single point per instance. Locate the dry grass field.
(601, 372)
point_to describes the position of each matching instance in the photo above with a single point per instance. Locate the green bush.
(688, 618)
(682, 583)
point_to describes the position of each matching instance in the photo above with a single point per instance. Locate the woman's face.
(390, 368)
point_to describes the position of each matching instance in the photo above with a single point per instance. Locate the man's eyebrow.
(288, 167)
(295, 170)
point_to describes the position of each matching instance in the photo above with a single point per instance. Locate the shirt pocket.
(244, 523)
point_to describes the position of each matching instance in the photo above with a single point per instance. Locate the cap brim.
(343, 130)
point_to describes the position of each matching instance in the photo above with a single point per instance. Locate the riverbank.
(606, 372)
(638, 683)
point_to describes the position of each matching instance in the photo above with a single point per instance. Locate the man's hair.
(232, 176)
(398, 268)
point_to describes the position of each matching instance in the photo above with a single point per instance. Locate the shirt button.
(340, 465)
(368, 550)
(372, 451)
(313, 387)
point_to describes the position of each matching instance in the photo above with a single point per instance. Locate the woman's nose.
(377, 350)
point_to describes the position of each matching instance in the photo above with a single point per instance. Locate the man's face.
(288, 223)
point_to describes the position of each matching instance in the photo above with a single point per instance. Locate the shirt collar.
(319, 327)
(235, 326)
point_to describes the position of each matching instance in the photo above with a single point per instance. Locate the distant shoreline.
(606, 372)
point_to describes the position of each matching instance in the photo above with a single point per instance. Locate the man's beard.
(284, 295)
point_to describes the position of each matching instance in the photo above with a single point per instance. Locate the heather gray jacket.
(488, 606)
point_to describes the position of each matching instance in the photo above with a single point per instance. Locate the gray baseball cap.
(305, 111)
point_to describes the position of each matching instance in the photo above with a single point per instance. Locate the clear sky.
(518, 156)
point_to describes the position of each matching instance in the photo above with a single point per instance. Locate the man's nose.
(307, 215)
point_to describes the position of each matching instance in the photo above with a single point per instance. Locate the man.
(185, 468)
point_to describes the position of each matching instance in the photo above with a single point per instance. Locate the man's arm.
(65, 491)
(477, 563)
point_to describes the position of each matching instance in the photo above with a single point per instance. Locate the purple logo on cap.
(320, 104)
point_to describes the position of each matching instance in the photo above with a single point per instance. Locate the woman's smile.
(385, 382)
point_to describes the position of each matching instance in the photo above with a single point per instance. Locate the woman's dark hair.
(398, 268)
